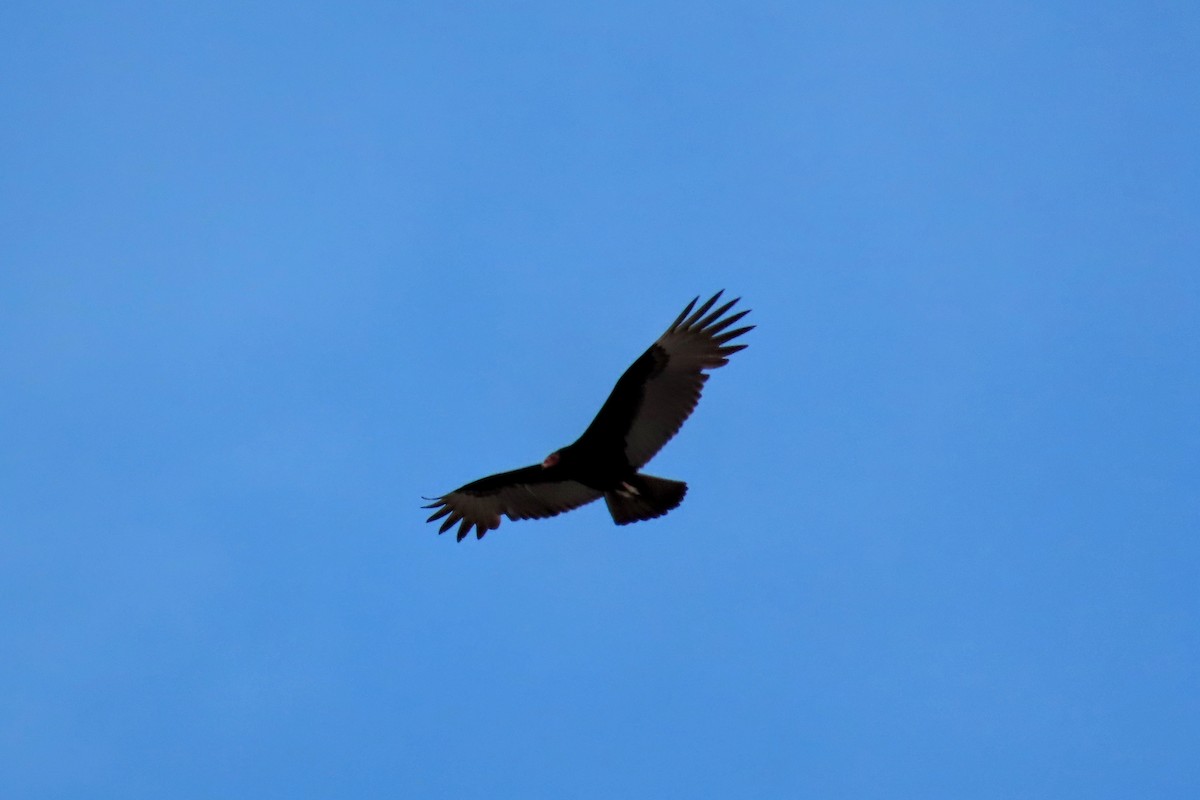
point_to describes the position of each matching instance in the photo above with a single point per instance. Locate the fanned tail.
(645, 497)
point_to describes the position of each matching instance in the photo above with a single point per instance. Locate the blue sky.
(271, 272)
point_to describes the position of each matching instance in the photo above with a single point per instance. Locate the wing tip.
(702, 310)
(730, 335)
(693, 318)
(687, 310)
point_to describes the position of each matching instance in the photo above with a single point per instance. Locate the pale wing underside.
(516, 495)
(694, 343)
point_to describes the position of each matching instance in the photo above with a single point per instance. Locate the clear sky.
(269, 272)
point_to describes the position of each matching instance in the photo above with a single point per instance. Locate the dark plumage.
(645, 409)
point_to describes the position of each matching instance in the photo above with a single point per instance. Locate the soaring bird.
(645, 409)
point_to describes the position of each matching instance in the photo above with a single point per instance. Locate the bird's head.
(551, 460)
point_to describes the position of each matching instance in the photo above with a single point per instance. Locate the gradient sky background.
(271, 272)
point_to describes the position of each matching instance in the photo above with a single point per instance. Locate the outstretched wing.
(660, 390)
(520, 494)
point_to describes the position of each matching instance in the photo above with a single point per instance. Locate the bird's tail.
(645, 497)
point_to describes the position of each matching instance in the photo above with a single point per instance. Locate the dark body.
(598, 458)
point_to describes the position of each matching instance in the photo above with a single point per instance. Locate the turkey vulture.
(646, 408)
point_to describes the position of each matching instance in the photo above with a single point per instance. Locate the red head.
(551, 460)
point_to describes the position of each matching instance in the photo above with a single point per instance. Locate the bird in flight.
(646, 408)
